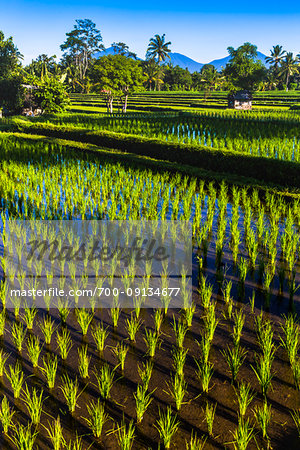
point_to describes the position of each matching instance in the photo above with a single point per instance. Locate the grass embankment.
(200, 161)
(187, 100)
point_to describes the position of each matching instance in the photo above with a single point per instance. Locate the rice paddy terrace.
(223, 372)
(159, 101)
(277, 136)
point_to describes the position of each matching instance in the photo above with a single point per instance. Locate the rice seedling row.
(219, 373)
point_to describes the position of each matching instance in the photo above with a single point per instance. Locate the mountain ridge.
(183, 61)
(219, 63)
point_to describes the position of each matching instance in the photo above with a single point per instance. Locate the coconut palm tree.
(271, 81)
(152, 73)
(289, 67)
(158, 48)
(210, 76)
(210, 79)
(277, 55)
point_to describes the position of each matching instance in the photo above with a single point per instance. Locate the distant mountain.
(107, 51)
(219, 63)
(177, 59)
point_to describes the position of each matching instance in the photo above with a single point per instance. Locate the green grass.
(97, 418)
(141, 161)
(70, 390)
(187, 100)
(167, 425)
(233, 160)
(55, 433)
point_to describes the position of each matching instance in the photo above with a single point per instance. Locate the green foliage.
(158, 48)
(6, 414)
(42, 66)
(33, 402)
(15, 376)
(289, 67)
(176, 78)
(276, 56)
(116, 75)
(167, 425)
(3, 358)
(55, 433)
(243, 70)
(97, 417)
(243, 434)
(11, 90)
(120, 48)
(9, 56)
(142, 401)
(263, 415)
(153, 74)
(12, 93)
(223, 160)
(52, 95)
(70, 390)
(81, 43)
(125, 435)
(210, 411)
(23, 437)
(210, 78)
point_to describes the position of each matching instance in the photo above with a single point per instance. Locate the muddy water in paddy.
(283, 396)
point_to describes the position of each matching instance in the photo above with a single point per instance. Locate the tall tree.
(51, 94)
(42, 65)
(116, 76)
(11, 79)
(12, 93)
(177, 78)
(271, 81)
(158, 48)
(50, 91)
(9, 56)
(81, 43)
(210, 77)
(120, 48)
(289, 67)
(243, 70)
(277, 54)
(152, 73)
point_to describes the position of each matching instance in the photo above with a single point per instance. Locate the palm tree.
(158, 48)
(210, 78)
(277, 54)
(152, 73)
(271, 80)
(289, 67)
(44, 65)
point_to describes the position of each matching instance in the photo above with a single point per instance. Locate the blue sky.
(202, 31)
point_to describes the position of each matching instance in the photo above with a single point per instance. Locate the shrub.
(52, 96)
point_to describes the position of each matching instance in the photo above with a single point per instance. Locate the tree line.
(46, 83)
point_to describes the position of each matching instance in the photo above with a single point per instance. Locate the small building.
(31, 107)
(240, 100)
